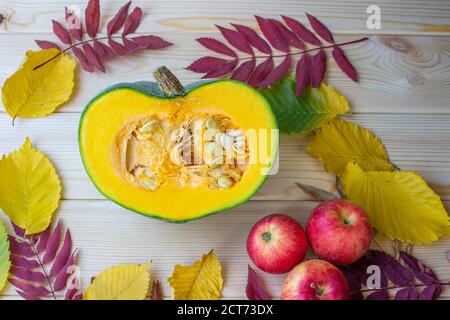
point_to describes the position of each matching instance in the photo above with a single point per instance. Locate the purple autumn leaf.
(320, 28)
(277, 73)
(236, 39)
(22, 262)
(61, 32)
(242, 73)
(397, 273)
(36, 291)
(151, 42)
(52, 245)
(62, 256)
(118, 20)
(253, 38)
(118, 48)
(378, 295)
(273, 34)
(28, 275)
(83, 60)
(431, 292)
(132, 22)
(92, 18)
(301, 31)
(216, 46)
(92, 57)
(303, 73)
(222, 70)
(20, 248)
(254, 290)
(206, 64)
(408, 293)
(43, 44)
(260, 73)
(104, 51)
(64, 274)
(318, 63)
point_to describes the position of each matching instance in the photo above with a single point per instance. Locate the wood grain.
(415, 142)
(106, 235)
(397, 16)
(397, 74)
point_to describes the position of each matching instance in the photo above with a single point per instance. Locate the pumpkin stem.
(168, 82)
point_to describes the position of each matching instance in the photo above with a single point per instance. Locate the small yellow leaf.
(29, 188)
(399, 204)
(201, 281)
(122, 282)
(32, 93)
(339, 142)
(5, 263)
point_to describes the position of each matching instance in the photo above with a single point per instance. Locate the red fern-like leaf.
(61, 32)
(243, 72)
(92, 57)
(118, 20)
(43, 44)
(38, 273)
(91, 52)
(303, 73)
(75, 26)
(344, 64)
(260, 73)
(254, 290)
(273, 34)
(216, 46)
(236, 39)
(253, 38)
(289, 37)
(301, 31)
(277, 73)
(320, 28)
(318, 66)
(92, 18)
(132, 22)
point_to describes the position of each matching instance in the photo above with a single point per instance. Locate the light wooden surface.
(403, 96)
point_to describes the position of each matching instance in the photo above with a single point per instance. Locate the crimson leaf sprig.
(92, 52)
(404, 279)
(43, 264)
(290, 37)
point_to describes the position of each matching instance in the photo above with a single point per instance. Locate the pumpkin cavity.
(201, 150)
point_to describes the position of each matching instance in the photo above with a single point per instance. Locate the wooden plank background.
(403, 96)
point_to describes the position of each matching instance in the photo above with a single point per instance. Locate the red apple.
(315, 280)
(339, 231)
(277, 243)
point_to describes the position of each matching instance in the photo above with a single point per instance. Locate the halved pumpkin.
(178, 154)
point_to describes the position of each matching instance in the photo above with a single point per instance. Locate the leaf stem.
(401, 286)
(305, 51)
(70, 48)
(43, 268)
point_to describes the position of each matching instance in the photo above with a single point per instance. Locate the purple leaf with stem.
(243, 72)
(320, 28)
(254, 290)
(216, 46)
(61, 32)
(236, 39)
(273, 34)
(132, 22)
(253, 38)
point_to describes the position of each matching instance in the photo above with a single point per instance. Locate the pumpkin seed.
(149, 126)
(224, 140)
(210, 135)
(149, 173)
(224, 182)
(212, 124)
(234, 133)
(150, 185)
(216, 173)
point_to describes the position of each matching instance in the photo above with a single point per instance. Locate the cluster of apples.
(338, 232)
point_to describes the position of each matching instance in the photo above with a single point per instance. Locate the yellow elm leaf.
(201, 281)
(32, 93)
(122, 282)
(5, 263)
(29, 188)
(399, 204)
(338, 142)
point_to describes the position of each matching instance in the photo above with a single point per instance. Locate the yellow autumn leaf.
(5, 262)
(400, 204)
(30, 93)
(201, 281)
(29, 188)
(122, 282)
(339, 142)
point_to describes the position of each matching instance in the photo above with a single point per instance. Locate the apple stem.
(266, 236)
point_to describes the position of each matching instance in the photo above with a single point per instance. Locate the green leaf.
(305, 113)
(5, 263)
